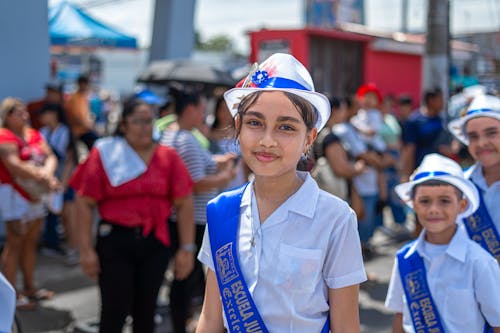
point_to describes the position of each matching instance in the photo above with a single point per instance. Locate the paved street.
(75, 306)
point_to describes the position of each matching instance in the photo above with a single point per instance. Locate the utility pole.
(404, 16)
(435, 63)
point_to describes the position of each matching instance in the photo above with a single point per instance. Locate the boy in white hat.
(479, 129)
(443, 281)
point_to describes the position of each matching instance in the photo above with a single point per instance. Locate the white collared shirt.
(464, 282)
(308, 244)
(491, 194)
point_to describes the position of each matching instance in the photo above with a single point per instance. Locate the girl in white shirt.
(297, 245)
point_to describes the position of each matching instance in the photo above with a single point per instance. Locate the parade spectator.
(334, 170)
(366, 183)
(222, 141)
(209, 176)
(479, 130)
(443, 281)
(289, 250)
(422, 132)
(53, 95)
(134, 183)
(26, 173)
(58, 136)
(405, 108)
(368, 120)
(79, 114)
(391, 134)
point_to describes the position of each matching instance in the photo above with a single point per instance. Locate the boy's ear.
(463, 205)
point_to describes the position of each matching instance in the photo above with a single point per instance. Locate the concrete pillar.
(24, 55)
(173, 30)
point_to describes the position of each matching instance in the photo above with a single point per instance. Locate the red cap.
(369, 88)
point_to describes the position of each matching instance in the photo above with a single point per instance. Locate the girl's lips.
(265, 157)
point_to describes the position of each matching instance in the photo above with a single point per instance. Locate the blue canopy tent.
(69, 25)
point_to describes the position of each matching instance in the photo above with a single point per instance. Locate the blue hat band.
(276, 82)
(430, 174)
(477, 111)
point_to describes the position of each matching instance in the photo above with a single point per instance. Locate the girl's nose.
(268, 140)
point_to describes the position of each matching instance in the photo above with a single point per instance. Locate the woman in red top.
(134, 183)
(27, 167)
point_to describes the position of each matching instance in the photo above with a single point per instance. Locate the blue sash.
(481, 228)
(223, 216)
(423, 311)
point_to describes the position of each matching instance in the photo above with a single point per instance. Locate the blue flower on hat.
(260, 77)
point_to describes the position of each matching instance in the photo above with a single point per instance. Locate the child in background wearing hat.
(443, 281)
(369, 120)
(479, 130)
(282, 255)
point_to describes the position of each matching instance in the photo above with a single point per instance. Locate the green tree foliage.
(215, 43)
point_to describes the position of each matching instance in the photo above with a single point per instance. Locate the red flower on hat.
(369, 88)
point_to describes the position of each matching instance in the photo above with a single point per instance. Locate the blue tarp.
(69, 25)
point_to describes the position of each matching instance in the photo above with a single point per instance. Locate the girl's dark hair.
(435, 182)
(129, 107)
(183, 98)
(306, 109)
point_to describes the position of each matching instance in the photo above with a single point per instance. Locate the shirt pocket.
(460, 305)
(298, 269)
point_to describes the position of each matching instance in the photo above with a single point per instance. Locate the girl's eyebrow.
(288, 118)
(488, 129)
(255, 114)
(280, 119)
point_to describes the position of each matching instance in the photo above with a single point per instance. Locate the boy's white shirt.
(309, 244)
(464, 284)
(491, 194)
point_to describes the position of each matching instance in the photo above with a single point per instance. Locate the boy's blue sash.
(423, 311)
(223, 216)
(481, 228)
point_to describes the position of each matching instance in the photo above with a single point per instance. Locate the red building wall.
(394, 73)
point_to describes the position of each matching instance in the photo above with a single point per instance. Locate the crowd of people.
(267, 212)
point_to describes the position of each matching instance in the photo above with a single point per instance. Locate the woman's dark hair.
(435, 182)
(335, 102)
(183, 98)
(348, 101)
(306, 109)
(218, 104)
(129, 107)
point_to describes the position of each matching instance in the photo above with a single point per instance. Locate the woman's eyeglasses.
(140, 121)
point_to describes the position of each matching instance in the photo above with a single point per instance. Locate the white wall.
(24, 48)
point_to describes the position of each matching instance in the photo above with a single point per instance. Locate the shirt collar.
(475, 174)
(302, 202)
(456, 248)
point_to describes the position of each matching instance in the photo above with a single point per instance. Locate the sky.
(234, 17)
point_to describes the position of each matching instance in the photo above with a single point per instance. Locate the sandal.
(23, 303)
(41, 295)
